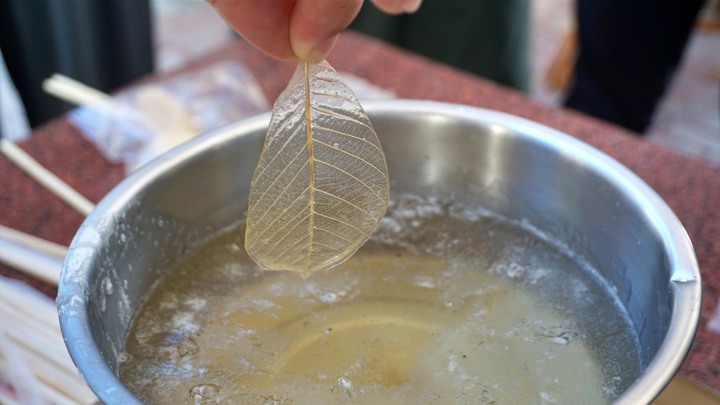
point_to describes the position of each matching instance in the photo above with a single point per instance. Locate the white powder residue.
(329, 297)
(107, 286)
(547, 397)
(344, 382)
(196, 303)
(425, 282)
(185, 322)
(452, 365)
(263, 304)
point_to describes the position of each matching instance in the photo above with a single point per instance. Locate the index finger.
(263, 23)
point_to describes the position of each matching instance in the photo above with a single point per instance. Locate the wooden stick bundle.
(31, 327)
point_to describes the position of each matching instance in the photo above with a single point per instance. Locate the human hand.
(298, 29)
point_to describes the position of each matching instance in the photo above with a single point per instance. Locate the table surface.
(691, 187)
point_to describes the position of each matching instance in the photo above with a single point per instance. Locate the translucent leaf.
(321, 185)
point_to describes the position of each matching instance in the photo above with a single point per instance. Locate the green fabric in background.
(485, 37)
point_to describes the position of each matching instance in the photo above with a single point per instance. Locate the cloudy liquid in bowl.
(442, 305)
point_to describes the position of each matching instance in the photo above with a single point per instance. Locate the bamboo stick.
(49, 393)
(56, 398)
(36, 337)
(33, 242)
(15, 371)
(68, 384)
(43, 334)
(51, 351)
(28, 303)
(31, 325)
(33, 256)
(43, 176)
(72, 90)
(75, 92)
(35, 264)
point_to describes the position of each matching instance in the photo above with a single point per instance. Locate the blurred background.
(112, 45)
(687, 118)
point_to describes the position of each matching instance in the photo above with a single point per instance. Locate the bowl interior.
(521, 170)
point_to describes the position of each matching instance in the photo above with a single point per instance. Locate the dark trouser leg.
(629, 51)
(103, 43)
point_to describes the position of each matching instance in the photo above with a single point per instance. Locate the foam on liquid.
(442, 305)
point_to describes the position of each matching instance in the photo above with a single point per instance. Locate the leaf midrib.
(311, 165)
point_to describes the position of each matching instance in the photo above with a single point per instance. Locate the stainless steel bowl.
(518, 168)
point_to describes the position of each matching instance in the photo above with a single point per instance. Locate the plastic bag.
(140, 123)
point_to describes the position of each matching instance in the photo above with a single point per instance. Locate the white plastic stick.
(45, 177)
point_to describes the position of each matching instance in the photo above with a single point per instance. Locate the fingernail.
(411, 6)
(315, 53)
